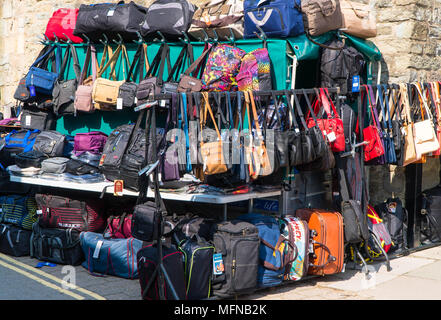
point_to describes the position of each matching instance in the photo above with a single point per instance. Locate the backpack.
(221, 68)
(378, 229)
(50, 143)
(255, 71)
(337, 67)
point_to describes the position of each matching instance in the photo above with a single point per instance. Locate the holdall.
(277, 18)
(18, 210)
(147, 260)
(119, 227)
(297, 231)
(225, 17)
(56, 165)
(112, 19)
(30, 159)
(358, 19)
(83, 95)
(35, 118)
(92, 142)
(14, 241)
(221, 69)
(170, 17)
(38, 78)
(64, 90)
(198, 264)
(332, 127)
(115, 257)
(321, 16)
(61, 246)
(50, 142)
(17, 142)
(236, 266)
(327, 254)
(272, 260)
(62, 24)
(62, 212)
(255, 71)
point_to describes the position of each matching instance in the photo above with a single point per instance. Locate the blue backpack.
(277, 18)
(272, 259)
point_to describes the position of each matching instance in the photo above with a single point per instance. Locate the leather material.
(321, 16)
(358, 19)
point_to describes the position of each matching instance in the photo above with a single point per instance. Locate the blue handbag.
(277, 18)
(389, 147)
(41, 79)
(272, 259)
(105, 256)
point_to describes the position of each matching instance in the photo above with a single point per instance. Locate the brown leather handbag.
(190, 83)
(327, 235)
(358, 19)
(211, 152)
(321, 16)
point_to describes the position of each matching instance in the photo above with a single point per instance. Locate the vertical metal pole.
(414, 173)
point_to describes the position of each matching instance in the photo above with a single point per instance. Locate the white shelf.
(98, 187)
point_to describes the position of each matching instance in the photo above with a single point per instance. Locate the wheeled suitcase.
(298, 232)
(327, 252)
(14, 241)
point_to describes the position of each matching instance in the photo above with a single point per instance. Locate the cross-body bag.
(83, 95)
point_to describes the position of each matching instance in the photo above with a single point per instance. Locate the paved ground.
(416, 276)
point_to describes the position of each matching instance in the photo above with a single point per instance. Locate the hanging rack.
(262, 36)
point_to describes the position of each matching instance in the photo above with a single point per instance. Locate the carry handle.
(331, 258)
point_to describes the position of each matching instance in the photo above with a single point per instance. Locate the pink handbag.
(83, 96)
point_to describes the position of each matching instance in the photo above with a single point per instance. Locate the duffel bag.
(60, 246)
(298, 232)
(18, 210)
(170, 17)
(271, 251)
(14, 241)
(147, 259)
(236, 258)
(119, 227)
(321, 16)
(50, 142)
(198, 263)
(15, 143)
(30, 159)
(110, 18)
(62, 24)
(277, 18)
(115, 257)
(61, 212)
(93, 142)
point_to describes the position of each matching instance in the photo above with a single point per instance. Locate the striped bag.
(18, 210)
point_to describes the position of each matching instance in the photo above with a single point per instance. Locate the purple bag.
(91, 141)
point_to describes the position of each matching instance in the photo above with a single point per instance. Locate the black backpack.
(337, 67)
(170, 17)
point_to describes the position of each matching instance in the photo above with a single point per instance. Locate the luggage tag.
(218, 264)
(356, 84)
(96, 252)
(32, 92)
(119, 104)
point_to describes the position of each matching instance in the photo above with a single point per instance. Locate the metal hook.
(67, 37)
(262, 36)
(120, 40)
(106, 40)
(56, 38)
(216, 37)
(231, 37)
(206, 37)
(140, 39)
(163, 40)
(87, 38)
(186, 39)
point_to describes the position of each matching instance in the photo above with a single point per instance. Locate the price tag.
(119, 104)
(96, 252)
(331, 136)
(163, 102)
(218, 264)
(39, 212)
(356, 84)
(28, 120)
(118, 188)
(111, 12)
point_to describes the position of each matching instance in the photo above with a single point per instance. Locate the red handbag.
(119, 227)
(63, 21)
(374, 148)
(332, 127)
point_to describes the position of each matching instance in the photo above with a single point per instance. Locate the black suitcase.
(198, 263)
(147, 259)
(14, 241)
(60, 246)
(238, 242)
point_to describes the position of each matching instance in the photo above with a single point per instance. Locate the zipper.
(264, 9)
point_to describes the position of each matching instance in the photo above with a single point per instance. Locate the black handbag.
(35, 118)
(389, 148)
(111, 19)
(30, 159)
(63, 95)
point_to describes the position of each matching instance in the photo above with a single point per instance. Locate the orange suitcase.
(327, 233)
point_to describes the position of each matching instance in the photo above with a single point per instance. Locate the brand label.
(96, 253)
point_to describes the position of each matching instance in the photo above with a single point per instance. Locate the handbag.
(425, 136)
(358, 19)
(321, 16)
(389, 147)
(410, 154)
(371, 134)
(433, 92)
(83, 95)
(225, 17)
(332, 127)
(397, 123)
(192, 83)
(64, 90)
(105, 91)
(276, 18)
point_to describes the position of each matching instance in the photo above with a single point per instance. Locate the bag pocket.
(269, 18)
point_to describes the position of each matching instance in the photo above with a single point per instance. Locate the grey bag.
(321, 16)
(55, 165)
(64, 90)
(50, 142)
(238, 242)
(33, 118)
